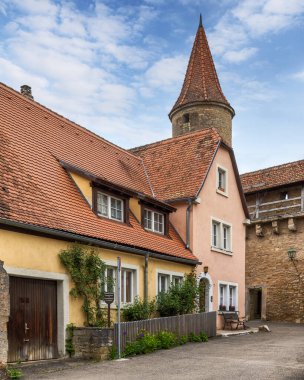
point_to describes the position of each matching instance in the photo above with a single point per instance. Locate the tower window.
(186, 118)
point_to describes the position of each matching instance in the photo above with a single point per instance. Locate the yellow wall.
(84, 185)
(135, 208)
(21, 250)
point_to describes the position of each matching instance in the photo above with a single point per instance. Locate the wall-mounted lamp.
(291, 254)
(206, 270)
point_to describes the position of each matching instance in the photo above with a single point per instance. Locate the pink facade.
(226, 267)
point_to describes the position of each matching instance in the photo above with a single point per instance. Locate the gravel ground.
(276, 355)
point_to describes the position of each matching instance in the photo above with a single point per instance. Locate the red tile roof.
(274, 176)
(201, 82)
(35, 189)
(178, 166)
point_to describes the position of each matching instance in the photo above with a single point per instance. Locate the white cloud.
(299, 75)
(167, 72)
(16, 76)
(79, 54)
(241, 55)
(249, 20)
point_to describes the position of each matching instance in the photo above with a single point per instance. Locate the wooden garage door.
(32, 328)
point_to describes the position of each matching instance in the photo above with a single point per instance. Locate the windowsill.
(154, 232)
(220, 312)
(223, 251)
(223, 193)
(166, 236)
(113, 220)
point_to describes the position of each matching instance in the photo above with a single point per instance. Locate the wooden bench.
(231, 318)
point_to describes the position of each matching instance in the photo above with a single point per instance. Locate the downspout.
(146, 295)
(190, 202)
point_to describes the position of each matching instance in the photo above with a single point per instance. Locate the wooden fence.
(180, 325)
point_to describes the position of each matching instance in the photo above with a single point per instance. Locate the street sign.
(109, 298)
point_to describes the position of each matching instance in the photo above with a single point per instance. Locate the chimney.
(26, 91)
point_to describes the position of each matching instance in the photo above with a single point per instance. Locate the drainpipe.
(146, 278)
(188, 223)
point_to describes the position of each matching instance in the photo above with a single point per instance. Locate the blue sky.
(116, 67)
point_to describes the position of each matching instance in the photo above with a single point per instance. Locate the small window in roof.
(284, 195)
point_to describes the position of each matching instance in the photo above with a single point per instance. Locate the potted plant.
(231, 308)
(222, 307)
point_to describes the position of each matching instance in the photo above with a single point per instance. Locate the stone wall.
(92, 342)
(269, 269)
(203, 116)
(4, 313)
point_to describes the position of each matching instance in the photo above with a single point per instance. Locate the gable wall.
(222, 267)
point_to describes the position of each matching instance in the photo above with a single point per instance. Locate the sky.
(116, 67)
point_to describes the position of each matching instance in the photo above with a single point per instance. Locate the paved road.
(276, 355)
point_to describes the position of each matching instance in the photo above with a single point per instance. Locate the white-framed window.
(166, 278)
(222, 180)
(221, 235)
(227, 296)
(154, 221)
(109, 207)
(222, 295)
(129, 286)
(163, 282)
(176, 280)
(110, 280)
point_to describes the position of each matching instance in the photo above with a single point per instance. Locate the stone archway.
(205, 292)
(4, 313)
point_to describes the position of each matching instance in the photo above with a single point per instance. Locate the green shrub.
(183, 339)
(113, 353)
(166, 339)
(145, 343)
(194, 338)
(180, 298)
(138, 310)
(13, 373)
(69, 347)
(203, 336)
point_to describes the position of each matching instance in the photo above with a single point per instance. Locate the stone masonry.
(204, 115)
(4, 313)
(92, 342)
(268, 267)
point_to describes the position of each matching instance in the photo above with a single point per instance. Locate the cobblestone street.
(276, 355)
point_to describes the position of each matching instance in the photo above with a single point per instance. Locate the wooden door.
(32, 327)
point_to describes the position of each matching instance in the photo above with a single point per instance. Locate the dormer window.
(154, 221)
(222, 181)
(109, 206)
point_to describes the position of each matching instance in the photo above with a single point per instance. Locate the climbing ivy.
(87, 271)
(69, 347)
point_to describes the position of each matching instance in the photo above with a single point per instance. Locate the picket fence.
(180, 325)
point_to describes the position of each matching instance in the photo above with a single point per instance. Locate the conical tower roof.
(201, 83)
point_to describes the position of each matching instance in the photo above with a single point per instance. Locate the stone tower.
(201, 103)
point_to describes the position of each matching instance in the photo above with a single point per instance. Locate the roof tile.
(36, 189)
(274, 176)
(177, 166)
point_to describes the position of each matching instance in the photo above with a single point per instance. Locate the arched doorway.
(204, 287)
